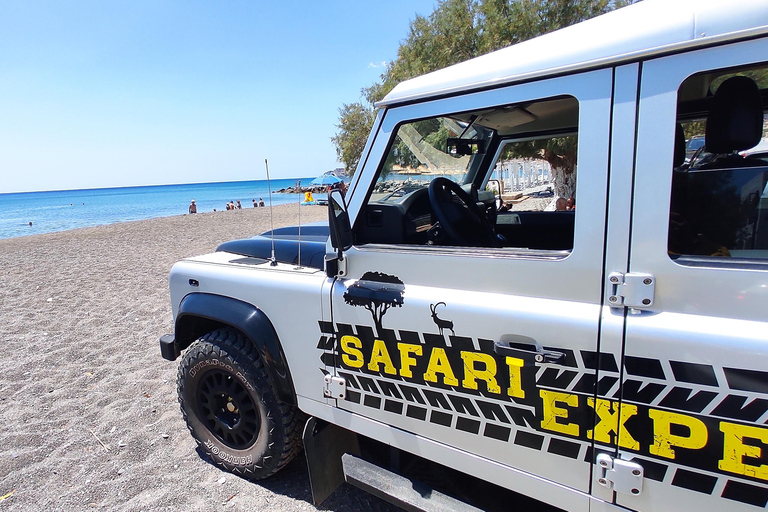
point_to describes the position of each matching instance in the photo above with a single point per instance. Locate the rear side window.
(719, 203)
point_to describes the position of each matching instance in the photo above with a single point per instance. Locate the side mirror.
(338, 221)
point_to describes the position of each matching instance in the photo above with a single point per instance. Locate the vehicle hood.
(310, 238)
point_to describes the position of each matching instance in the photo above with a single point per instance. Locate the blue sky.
(121, 93)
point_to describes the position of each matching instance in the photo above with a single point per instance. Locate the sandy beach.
(88, 408)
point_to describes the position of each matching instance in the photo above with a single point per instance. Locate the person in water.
(192, 207)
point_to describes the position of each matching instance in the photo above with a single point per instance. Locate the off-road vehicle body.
(611, 354)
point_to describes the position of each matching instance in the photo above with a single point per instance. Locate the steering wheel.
(462, 221)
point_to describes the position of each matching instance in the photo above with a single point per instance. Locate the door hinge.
(335, 266)
(632, 290)
(335, 387)
(620, 475)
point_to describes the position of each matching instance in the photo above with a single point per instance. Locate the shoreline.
(282, 206)
(88, 404)
(54, 211)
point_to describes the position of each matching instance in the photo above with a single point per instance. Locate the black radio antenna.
(273, 260)
(299, 267)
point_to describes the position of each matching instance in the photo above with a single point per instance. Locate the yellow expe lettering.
(551, 411)
(609, 422)
(352, 356)
(734, 450)
(380, 355)
(515, 383)
(471, 373)
(405, 360)
(438, 363)
(664, 440)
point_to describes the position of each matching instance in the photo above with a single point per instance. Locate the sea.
(60, 210)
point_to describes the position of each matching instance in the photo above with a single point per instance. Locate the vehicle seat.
(734, 123)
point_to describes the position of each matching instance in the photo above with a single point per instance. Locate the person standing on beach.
(192, 207)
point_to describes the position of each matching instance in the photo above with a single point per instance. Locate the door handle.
(529, 357)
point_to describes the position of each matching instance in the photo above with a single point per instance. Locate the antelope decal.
(441, 324)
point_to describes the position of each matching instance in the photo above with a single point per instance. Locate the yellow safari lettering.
(551, 411)
(664, 441)
(515, 388)
(352, 356)
(438, 363)
(612, 422)
(735, 451)
(406, 361)
(743, 450)
(379, 356)
(472, 373)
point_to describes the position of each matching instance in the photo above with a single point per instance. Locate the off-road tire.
(231, 408)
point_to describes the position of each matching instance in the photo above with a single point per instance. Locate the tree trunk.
(563, 182)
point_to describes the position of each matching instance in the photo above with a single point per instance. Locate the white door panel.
(423, 355)
(695, 381)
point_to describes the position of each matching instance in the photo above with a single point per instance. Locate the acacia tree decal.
(376, 292)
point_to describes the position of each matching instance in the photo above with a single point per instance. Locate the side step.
(399, 490)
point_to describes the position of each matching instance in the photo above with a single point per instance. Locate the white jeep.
(527, 288)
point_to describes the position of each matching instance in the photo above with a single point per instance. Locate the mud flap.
(324, 444)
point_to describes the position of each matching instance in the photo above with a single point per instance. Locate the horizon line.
(143, 186)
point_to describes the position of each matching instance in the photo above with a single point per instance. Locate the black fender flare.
(201, 313)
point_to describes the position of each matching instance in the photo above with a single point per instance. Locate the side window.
(537, 180)
(501, 177)
(719, 202)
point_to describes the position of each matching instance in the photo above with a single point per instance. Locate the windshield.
(422, 150)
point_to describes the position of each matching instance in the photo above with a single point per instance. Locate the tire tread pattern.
(232, 346)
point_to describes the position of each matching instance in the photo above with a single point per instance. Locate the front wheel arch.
(201, 313)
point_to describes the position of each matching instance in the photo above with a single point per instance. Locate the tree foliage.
(458, 30)
(355, 122)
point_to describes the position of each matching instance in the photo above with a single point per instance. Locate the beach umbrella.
(326, 179)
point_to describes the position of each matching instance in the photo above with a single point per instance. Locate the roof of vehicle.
(629, 34)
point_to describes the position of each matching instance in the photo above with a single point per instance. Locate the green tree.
(458, 30)
(693, 128)
(355, 122)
